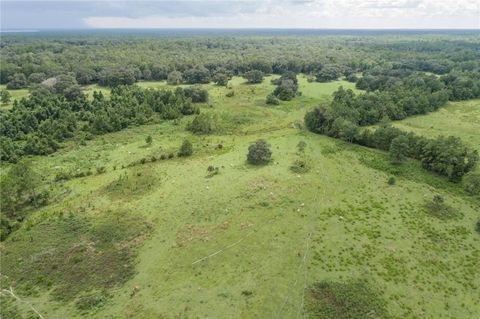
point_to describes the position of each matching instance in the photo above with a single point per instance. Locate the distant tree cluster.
(197, 94)
(456, 85)
(37, 125)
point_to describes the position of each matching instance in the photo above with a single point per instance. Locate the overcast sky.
(340, 14)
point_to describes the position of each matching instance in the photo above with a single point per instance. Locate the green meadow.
(460, 119)
(146, 237)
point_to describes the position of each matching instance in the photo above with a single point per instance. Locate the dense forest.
(112, 59)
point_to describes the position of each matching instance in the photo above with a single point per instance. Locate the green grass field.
(461, 119)
(164, 240)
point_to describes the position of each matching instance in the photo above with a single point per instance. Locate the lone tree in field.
(259, 153)
(186, 149)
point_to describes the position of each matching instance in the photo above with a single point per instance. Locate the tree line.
(347, 113)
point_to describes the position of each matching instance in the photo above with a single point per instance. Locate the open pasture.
(248, 242)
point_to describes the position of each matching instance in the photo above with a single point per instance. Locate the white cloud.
(297, 14)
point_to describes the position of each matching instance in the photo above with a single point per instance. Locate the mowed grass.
(249, 242)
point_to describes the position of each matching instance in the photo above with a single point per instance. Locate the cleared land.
(164, 240)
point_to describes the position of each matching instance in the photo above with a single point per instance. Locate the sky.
(318, 14)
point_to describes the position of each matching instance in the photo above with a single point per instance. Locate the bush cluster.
(186, 149)
(259, 153)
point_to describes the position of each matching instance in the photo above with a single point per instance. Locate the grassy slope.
(254, 223)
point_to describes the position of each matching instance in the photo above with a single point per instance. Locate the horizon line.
(227, 28)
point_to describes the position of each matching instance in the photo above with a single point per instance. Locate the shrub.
(174, 78)
(300, 166)
(350, 300)
(62, 176)
(253, 76)
(438, 208)
(91, 302)
(247, 293)
(391, 180)
(171, 155)
(230, 93)
(471, 183)
(212, 170)
(186, 149)
(197, 94)
(301, 146)
(438, 200)
(202, 124)
(259, 153)
(221, 79)
(149, 140)
(272, 100)
(42, 198)
(163, 157)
